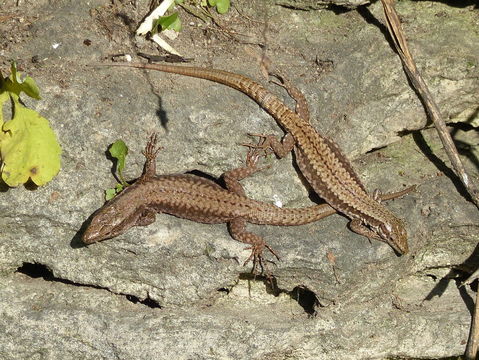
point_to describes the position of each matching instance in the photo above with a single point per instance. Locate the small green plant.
(222, 6)
(157, 22)
(119, 151)
(170, 22)
(28, 146)
(173, 21)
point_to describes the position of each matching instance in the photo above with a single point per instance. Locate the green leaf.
(222, 6)
(28, 147)
(119, 188)
(171, 22)
(16, 85)
(119, 150)
(110, 194)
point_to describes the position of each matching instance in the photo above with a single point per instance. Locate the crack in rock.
(37, 270)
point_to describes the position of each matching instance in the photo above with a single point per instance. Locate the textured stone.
(177, 289)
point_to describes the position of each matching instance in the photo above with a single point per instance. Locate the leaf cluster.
(29, 148)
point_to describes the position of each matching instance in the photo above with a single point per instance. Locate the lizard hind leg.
(233, 177)
(269, 143)
(302, 108)
(237, 229)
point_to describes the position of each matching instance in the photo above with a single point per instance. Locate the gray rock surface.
(177, 289)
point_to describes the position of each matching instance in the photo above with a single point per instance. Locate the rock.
(178, 289)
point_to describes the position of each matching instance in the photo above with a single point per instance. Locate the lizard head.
(395, 235)
(116, 217)
(105, 224)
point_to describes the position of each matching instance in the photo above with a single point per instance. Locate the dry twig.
(397, 34)
(473, 340)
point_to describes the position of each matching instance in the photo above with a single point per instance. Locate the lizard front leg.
(379, 196)
(150, 153)
(358, 227)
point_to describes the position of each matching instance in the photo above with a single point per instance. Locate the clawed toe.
(263, 145)
(259, 261)
(151, 150)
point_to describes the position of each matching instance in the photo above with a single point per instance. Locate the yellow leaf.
(28, 148)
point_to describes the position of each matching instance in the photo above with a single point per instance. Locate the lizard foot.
(150, 153)
(258, 260)
(252, 159)
(263, 145)
(151, 150)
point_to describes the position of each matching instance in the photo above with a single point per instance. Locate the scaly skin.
(319, 159)
(198, 199)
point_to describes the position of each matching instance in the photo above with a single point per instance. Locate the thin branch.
(473, 341)
(397, 34)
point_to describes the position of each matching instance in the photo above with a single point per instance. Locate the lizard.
(199, 199)
(319, 158)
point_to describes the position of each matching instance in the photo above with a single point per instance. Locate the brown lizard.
(198, 199)
(319, 159)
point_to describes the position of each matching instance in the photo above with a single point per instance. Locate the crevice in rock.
(147, 302)
(36, 270)
(408, 132)
(306, 298)
(456, 270)
(225, 290)
(410, 358)
(373, 150)
(338, 7)
(456, 273)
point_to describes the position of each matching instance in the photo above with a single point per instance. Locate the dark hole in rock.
(306, 299)
(147, 302)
